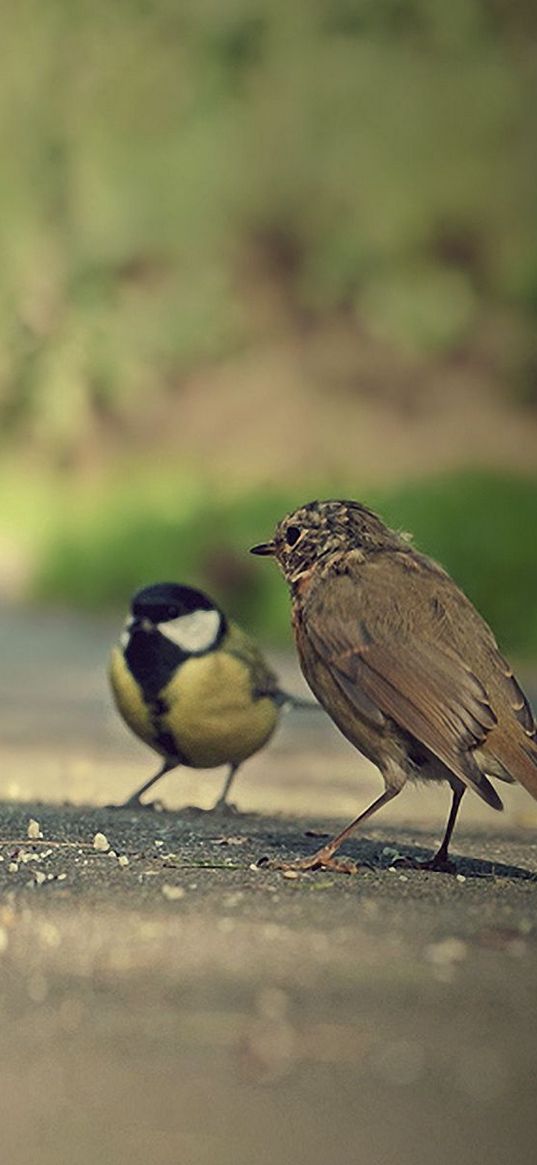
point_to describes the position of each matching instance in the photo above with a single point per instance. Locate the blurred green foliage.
(373, 156)
(480, 526)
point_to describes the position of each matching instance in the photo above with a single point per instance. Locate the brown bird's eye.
(292, 534)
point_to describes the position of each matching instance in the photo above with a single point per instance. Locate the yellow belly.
(212, 716)
(128, 699)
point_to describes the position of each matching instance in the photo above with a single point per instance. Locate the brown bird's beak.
(265, 548)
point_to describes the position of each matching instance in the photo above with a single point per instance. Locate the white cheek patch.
(195, 632)
(126, 633)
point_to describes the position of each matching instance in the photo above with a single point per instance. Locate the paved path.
(168, 1002)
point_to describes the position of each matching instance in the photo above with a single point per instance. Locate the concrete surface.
(166, 1001)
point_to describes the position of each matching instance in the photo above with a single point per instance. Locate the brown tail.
(520, 760)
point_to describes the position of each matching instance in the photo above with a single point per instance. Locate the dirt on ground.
(164, 998)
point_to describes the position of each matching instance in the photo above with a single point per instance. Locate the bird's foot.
(439, 863)
(318, 861)
(225, 809)
(135, 803)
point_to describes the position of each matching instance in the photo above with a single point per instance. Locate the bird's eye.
(292, 534)
(173, 612)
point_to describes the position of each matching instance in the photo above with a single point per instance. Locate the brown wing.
(514, 743)
(390, 663)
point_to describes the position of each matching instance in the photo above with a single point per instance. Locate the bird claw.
(440, 864)
(310, 865)
(135, 803)
(225, 809)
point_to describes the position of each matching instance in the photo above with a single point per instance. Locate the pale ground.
(190, 1009)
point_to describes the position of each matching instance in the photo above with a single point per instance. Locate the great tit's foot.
(318, 861)
(135, 803)
(225, 809)
(439, 863)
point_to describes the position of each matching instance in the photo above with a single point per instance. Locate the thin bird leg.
(441, 861)
(221, 806)
(323, 858)
(134, 800)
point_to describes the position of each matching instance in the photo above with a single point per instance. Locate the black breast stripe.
(152, 659)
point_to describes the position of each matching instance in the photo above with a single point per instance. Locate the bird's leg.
(134, 802)
(221, 806)
(323, 859)
(440, 860)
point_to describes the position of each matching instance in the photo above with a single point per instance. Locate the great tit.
(192, 684)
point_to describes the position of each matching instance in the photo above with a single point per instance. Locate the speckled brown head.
(319, 530)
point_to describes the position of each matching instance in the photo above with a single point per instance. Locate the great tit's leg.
(134, 802)
(440, 860)
(323, 859)
(221, 806)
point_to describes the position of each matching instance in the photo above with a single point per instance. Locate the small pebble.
(101, 843)
(172, 893)
(39, 877)
(13, 867)
(33, 830)
(291, 875)
(122, 860)
(460, 877)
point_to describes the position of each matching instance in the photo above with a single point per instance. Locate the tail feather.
(285, 698)
(477, 781)
(520, 760)
(492, 767)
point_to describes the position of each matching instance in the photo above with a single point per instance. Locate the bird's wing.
(264, 681)
(514, 743)
(388, 665)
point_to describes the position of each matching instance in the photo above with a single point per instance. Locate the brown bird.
(402, 662)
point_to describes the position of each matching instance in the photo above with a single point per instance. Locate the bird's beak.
(265, 548)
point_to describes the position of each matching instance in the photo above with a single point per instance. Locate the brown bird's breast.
(369, 739)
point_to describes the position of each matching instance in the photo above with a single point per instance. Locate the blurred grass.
(105, 542)
(161, 163)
